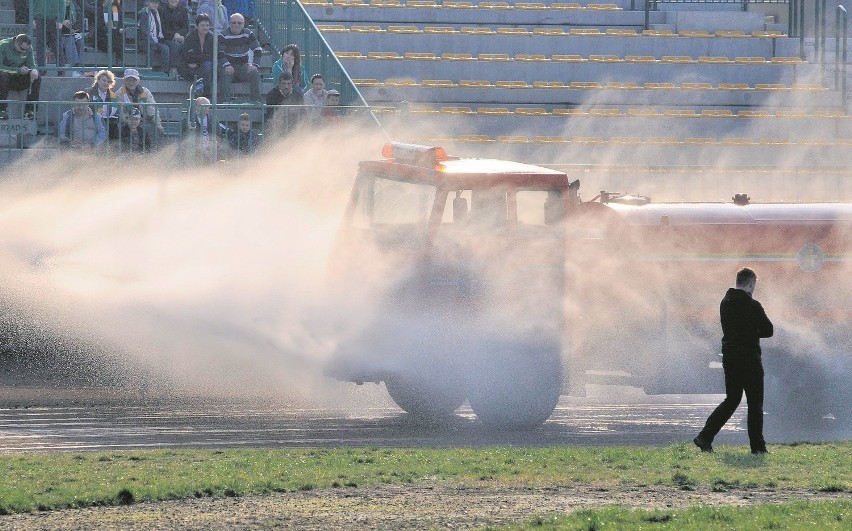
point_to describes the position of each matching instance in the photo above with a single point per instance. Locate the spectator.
(151, 36)
(333, 112)
(198, 53)
(206, 130)
(236, 45)
(133, 136)
(81, 127)
(286, 118)
(18, 72)
(71, 48)
(291, 62)
(101, 92)
(208, 7)
(316, 95)
(111, 10)
(132, 92)
(244, 140)
(246, 7)
(47, 15)
(175, 20)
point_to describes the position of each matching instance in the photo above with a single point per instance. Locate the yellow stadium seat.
(717, 113)
(694, 33)
(640, 58)
(511, 84)
(700, 141)
(348, 3)
(530, 111)
(568, 112)
(587, 140)
(565, 5)
(663, 140)
(456, 110)
(737, 141)
(530, 57)
(603, 7)
(713, 59)
(476, 30)
(457, 56)
(383, 55)
(767, 34)
(770, 86)
(358, 28)
(594, 32)
(830, 114)
(680, 113)
(792, 114)
(753, 114)
(623, 32)
(439, 83)
(385, 3)
(606, 112)
(730, 33)
(476, 138)
(773, 141)
(625, 140)
(605, 58)
(331, 28)
(404, 29)
(513, 139)
(493, 110)
(458, 5)
(406, 82)
(422, 109)
(494, 5)
(808, 86)
(439, 29)
(512, 31)
(622, 85)
(659, 86)
(480, 83)
(493, 57)
(750, 60)
(658, 32)
(349, 55)
(733, 86)
(549, 31)
(585, 85)
(549, 140)
(530, 5)
(367, 82)
(677, 59)
(643, 112)
(420, 56)
(314, 2)
(548, 84)
(696, 86)
(422, 3)
(567, 58)
(787, 60)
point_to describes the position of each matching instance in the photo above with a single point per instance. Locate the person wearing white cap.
(132, 92)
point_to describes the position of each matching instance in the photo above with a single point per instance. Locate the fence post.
(802, 29)
(842, 30)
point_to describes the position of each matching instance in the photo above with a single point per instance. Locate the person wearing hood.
(209, 7)
(744, 322)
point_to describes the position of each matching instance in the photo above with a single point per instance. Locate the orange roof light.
(415, 154)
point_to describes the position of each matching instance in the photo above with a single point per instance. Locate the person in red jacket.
(744, 322)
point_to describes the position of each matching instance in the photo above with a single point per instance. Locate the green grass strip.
(31, 482)
(799, 515)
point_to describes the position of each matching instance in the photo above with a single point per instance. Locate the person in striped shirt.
(239, 54)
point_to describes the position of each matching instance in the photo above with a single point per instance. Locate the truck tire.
(423, 399)
(516, 384)
(802, 391)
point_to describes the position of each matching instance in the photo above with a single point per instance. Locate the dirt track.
(387, 507)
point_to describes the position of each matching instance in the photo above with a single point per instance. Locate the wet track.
(205, 424)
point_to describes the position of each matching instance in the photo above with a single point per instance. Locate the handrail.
(652, 5)
(842, 29)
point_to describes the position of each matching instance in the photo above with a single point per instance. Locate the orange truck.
(493, 282)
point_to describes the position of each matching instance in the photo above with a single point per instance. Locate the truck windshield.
(383, 202)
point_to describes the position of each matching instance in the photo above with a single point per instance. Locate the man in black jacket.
(743, 324)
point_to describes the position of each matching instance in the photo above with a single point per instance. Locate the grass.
(32, 482)
(799, 515)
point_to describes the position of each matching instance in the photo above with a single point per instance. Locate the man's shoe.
(760, 451)
(4, 115)
(704, 445)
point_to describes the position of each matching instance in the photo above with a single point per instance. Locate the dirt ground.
(434, 506)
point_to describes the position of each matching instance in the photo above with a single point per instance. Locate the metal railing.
(653, 5)
(167, 125)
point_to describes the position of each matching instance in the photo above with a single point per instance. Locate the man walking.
(18, 72)
(744, 322)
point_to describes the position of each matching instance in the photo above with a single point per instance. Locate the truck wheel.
(424, 399)
(516, 384)
(799, 391)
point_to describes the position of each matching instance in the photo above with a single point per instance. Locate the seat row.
(569, 58)
(639, 112)
(549, 31)
(635, 140)
(454, 4)
(584, 85)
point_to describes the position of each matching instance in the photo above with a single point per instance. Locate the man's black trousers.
(742, 374)
(18, 82)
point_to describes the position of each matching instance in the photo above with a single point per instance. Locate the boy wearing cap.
(18, 72)
(134, 139)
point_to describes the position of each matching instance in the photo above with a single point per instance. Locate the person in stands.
(151, 36)
(134, 139)
(81, 127)
(175, 20)
(244, 139)
(291, 62)
(132, 92)
(18, 72)
(219, 23)
(101, 92)
(236, 46)
(285, 106)
(198, 55)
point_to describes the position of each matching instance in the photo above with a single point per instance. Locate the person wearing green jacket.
(18, 72)
(48, 16)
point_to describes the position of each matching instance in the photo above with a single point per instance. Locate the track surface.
(87, 425)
